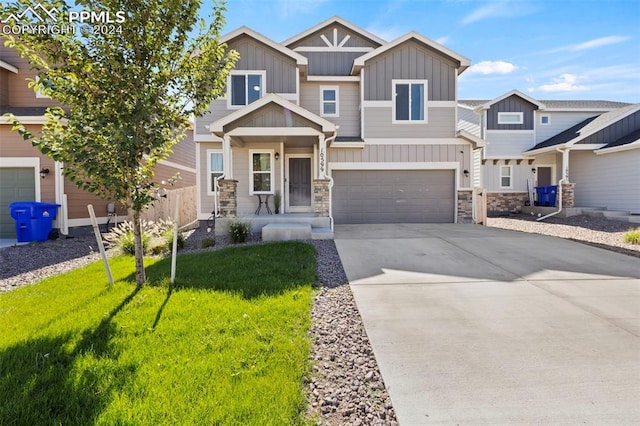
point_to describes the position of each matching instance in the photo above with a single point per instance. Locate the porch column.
(226, 155)
(322, 157)
(321, 197)
(228, 197)
(565, 165)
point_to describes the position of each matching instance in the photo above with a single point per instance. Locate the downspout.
(216, 200)
(328, 141)
(560, 182)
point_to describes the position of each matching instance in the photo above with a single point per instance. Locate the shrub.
(632, 236)
(239, 231)
(208, 242)
(122, 237)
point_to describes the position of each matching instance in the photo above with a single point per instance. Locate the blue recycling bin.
(547, 195)
(552, 194)
(34, 220)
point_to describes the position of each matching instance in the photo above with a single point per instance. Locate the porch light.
(277, 156)
(533, 170)
(466, 173)
(43, 173)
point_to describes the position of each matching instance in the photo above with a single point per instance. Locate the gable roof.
(244, 30)
(589, 127)
(560, 105)
(217, 126)
(464, 62)
(330, 21)
(514, 92)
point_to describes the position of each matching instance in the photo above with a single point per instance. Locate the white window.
(215, 168)
(505, 176)
(545, 119)
(329, 101)
(410, 101)
(261, 178)
(510, 118)
(245, 87)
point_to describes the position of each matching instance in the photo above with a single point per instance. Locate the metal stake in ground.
(175, 239)
(96, 231)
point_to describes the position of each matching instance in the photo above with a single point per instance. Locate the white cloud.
(499, 9)
(564, 83)
(599, 42)
(442, 40)
(493, 67)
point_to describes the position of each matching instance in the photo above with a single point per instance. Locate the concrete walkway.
(473, 325)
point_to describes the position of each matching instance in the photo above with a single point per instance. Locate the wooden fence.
(164, 207)
(480, 200)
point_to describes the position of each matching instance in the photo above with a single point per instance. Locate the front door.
(299, 184)
(544, 176)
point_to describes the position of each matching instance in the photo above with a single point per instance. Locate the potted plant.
(277, 199)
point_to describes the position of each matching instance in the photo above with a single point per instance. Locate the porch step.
(286, 231)
(321, 234)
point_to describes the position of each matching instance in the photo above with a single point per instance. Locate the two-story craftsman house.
(344, 125)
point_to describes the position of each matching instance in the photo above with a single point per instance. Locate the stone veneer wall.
(228, 198)
(568, 195)
(321, 197)
(505, 202)
(465, 206)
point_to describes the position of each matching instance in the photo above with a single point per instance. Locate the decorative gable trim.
(328, 22)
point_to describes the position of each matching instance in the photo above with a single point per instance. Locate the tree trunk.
(139, 251)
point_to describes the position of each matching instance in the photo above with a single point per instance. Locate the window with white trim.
(215, 168)
(410, 101)
(245, 87)
(545, 119)
(261, 173)
(329, 96)
(510, 118)
(505, 176)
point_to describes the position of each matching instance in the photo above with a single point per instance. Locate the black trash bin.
(34, 220)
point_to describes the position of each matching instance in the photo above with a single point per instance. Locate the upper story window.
(329, 101)
(545, 119)
(410, 103)
(215, 168)
(510, 118)
(261, 177)
(245, 87)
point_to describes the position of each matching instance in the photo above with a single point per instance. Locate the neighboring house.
(345, 125)
(23, 167)
(592, 145)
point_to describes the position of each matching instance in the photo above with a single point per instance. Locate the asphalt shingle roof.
(559, 104)
(566, 136)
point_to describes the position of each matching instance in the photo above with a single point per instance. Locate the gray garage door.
(388, 196)
(16, 184)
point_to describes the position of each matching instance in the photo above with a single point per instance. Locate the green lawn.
(227, 345)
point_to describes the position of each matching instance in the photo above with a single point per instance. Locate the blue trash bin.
(552, 194)
(542, 195)
(34, 221)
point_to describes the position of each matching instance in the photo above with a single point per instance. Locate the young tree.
(128, 89)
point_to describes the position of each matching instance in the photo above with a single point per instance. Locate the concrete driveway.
(473, 325)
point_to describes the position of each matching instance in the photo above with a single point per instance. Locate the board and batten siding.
(503, 143)
(315, 39)
(406, 153)
(607, 180)
(331, 63)
(411, 61)
(281, 69)
(348, 105)
(217, 110)
(511, 104)
(615, 131)
(378, 123)
(558, 122)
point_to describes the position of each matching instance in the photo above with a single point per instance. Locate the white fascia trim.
(478, 142)
(626, 147)
(8, 67)
(358, 63)
(600, 110)
(25, 119)
(177, 166)
(544, 150)
(332, 78)
(347, 145)
(587, 146)
(508, 157)
(332, 49)
(274, 131)
(206, 138)
(415, 141)
(328, 22)
(430, 104)
(301, 60)
(518, 93)
(515, 132)
(431, 165)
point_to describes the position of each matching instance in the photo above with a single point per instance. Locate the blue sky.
(562, 49)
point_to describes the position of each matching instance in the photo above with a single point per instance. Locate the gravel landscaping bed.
(597, 231)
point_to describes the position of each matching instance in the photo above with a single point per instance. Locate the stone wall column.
(465, 206)
(321, 197)
(568, 197)
(228, 197)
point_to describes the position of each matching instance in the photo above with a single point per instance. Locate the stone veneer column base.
(228, 198)
(465, 206)
(505, 202)
(321, 197)
(568, 195)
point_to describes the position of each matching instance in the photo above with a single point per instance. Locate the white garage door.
(16, 184)
(393, 196)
